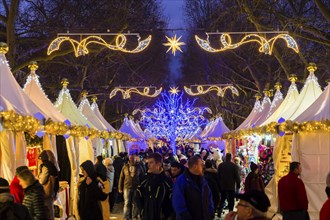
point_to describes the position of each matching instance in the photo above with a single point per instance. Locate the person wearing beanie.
(89, 193)
(9, 209)
(34, 195)
(254, 181)
(15, 189)
(252, 205)
(325, 210)
(48, 172)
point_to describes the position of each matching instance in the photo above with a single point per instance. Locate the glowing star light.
(174, 90)
(174, 44)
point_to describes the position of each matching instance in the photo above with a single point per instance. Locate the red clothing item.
(292, 193)
(325, 211)
(16, 190)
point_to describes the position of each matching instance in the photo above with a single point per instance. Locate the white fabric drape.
(312, 150)
(73, 154)
(20, 151)
(7, 155)
(85, 150)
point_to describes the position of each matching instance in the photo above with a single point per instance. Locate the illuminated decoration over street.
(266, 46)
(80, 47)
(144, 91)
(195, 90)
(174, 44)
(173, 118)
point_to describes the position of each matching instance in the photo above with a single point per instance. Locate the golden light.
(174, 90)
(221, 89)
(266, 46)
(143, 91)
(174, 44)
(81, 47)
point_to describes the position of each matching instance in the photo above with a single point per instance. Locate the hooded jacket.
(10, 210)
(16, 190)
(90, 195)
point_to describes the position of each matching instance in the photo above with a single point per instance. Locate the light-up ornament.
(266, 46)
(80, 47)
(174, 90)
(174, 44)
(221, 89)
(143, 91)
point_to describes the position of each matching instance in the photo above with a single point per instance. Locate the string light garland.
(287, 127)
(195, 90)
(81, 47)
(174, 44)
(143, 91)
(266, 46)
(18, 123)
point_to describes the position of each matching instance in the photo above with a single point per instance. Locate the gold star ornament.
(174, 90)
(174, 44)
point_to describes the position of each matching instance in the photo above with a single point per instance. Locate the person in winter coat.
(129, 180)
(110, 177)
(292, 194)
(90, 193)
(192, 197)
(325, 210)
(118, 164)
(153, 193)
(47, 169)
(34, 196)
(100, 169)
(212, 178)
(254, 181)
(15, 189)
(253, 205)
(10, 210)
(229, 182)
(176, 170)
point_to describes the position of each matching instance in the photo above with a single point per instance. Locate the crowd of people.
(157, 184)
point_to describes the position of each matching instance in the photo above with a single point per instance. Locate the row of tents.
(299, 126)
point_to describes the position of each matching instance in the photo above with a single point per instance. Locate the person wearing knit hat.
(15, 188)
(325, 210)
(9, 209)
(254, 181)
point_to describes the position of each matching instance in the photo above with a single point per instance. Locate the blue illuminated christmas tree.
(172, 118)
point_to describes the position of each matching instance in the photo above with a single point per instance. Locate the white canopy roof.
(11, 91)
(34, 90)
(255, 113)
(288, 101)
(319, 110)
(129, 127)
(217, 129)
(277, 101)
(207, 128)
(98, 114)
(66, 106)
(309, 93)
(261, 117)
(86, 110)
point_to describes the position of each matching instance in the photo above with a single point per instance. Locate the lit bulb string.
(203, 89)
(266, 46)
(277, 98)
(282, 128)
(126, 91)
(80, 47)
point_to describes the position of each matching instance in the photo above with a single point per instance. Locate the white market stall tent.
(137, 140)
(12, 143)
(114, 144)
(312, 150)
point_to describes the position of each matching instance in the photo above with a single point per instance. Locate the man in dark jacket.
(90, 193)
(254, 181)
(253, 205)
(118, 164)
(154, 191)
(229, 181)
(292, 195)
(212, 178)
(9, 209)
(33, 195)
(100, 169)
(192, 197)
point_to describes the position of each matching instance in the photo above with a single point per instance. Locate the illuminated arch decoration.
(266, 46)
(221, 89)
(143, 91)
(81, 47)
